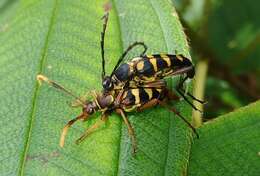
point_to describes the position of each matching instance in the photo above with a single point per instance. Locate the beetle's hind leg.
(179, 115)
(181, 91)
(154, 102)
(130, 130)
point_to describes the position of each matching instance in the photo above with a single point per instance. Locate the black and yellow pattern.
(163, 64)
(151, 68)
(134, 98)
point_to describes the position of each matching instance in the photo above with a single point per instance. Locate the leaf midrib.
(36, 91)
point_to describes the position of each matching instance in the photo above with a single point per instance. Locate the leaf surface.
(61, 40)
(229, 145)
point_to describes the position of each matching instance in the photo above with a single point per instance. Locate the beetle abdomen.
(134, 98)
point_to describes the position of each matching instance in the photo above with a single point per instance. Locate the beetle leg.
(148, 105)
(130, 130)
(66, 128)
(154, 102)
(92, 128)
(179, 115)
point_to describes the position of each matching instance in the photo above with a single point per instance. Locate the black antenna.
(102, 42)
(127, 51)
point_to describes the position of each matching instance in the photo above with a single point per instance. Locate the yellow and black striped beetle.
(122, 101)
(133, 86)
(146, 70)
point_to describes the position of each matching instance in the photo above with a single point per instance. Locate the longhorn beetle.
(133, 86)
(125, 100)
(145, 69)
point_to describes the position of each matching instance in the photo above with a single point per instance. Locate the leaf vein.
(36, 91)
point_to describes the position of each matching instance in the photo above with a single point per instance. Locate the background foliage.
(61, 39)
(225, 35)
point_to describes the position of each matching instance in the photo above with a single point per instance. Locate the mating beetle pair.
(132, 86)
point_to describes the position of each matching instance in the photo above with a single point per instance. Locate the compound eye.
(107, 84)
(90, 111)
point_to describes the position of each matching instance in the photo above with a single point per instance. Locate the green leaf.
(61, 40)
(7, 10)
(229, 145)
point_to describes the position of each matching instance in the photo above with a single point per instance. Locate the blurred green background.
(224, 38)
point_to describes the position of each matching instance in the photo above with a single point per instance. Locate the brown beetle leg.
(179, 115)
(148, 105)
(92, 128)
(67, 126)
(130, 130)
